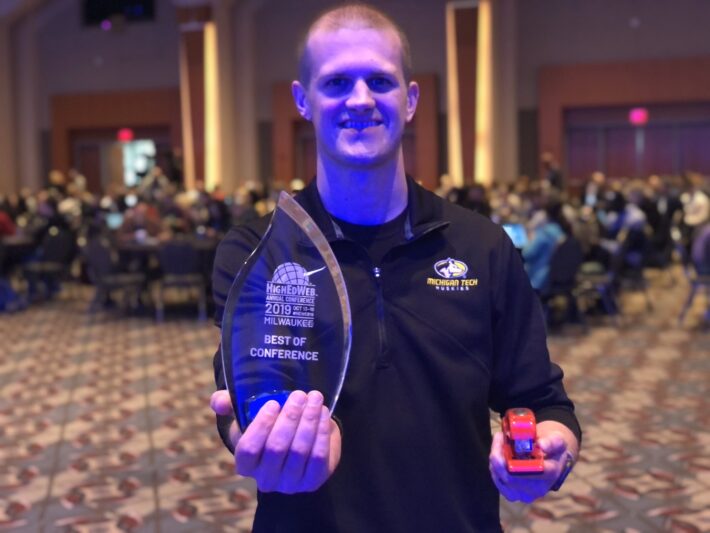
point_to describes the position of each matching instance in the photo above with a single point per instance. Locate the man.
(413, 449)
(696, 207)
(594, 190)
(551, 168)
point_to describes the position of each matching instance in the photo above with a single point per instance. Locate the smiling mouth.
(360, 125)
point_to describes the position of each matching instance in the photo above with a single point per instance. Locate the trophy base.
(253, 404)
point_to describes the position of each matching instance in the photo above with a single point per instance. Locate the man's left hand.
(554, 440)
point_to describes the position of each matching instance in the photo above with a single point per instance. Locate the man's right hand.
(291, 449)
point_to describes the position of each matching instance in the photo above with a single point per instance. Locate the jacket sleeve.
(523, 375)
(232, 252)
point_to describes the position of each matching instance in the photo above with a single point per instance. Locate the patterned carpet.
(105, 424)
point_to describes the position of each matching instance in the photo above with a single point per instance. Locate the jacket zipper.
(383, 357)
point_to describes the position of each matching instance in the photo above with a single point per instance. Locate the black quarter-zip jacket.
(429, 358)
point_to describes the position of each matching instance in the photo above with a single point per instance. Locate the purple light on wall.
(638, 116)
(106, 25)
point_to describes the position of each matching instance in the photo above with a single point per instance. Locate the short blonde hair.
(356, 16)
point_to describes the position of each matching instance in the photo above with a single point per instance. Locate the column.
(192, 15)
(482, 96)
(26, 103)
(225, 125)
(8, 168)
(217, 92)
(504, 90)
(244, 137)
(483, 148)
(461, 45)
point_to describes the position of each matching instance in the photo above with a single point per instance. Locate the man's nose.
(361, 96)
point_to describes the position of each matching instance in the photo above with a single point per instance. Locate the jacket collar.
(425, 211)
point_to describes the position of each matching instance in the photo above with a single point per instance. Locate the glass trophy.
(287, 322)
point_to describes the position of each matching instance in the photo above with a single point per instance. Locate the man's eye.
(380, 84)
(335, 84)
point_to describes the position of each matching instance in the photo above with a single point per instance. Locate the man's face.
(357, 97)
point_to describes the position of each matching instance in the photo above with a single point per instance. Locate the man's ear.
(301, 100)
(412, 99)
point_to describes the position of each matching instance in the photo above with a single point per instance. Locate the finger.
(302, 444)
(250, 448)
(335, 445)
(234, 434)
(318, 466)
(552, 445)
(279, 440)
(496, 459)
(525, 488)
(221, 403)
(501, 485)
(553, 469)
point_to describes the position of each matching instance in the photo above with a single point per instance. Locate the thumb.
(221, 403)
(496, 456)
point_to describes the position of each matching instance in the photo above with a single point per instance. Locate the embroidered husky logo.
(451, 268)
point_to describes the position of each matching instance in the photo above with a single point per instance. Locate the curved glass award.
(287, 323)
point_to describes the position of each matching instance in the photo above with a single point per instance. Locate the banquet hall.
(135, 133)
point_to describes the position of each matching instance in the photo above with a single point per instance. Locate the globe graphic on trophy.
(293, 274)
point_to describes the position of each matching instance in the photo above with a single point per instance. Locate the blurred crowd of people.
(151, 214)
(654, 217)
(650, 217)
(155, 209)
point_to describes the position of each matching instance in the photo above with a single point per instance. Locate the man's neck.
(363, 196)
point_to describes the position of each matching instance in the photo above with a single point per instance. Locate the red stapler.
(522, 454)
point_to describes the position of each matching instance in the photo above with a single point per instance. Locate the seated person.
(7, 226)
(624, 226)
(140, 222)
(700, 252)
(544, 240)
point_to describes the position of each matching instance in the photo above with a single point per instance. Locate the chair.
(625, 272)
(628, 264)
(660, 252)
(593, 281)
(3, 256)
(105, 274)
(562, 278)
(697, 273)
(182, 269)
(53, 261)
(9, 300)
